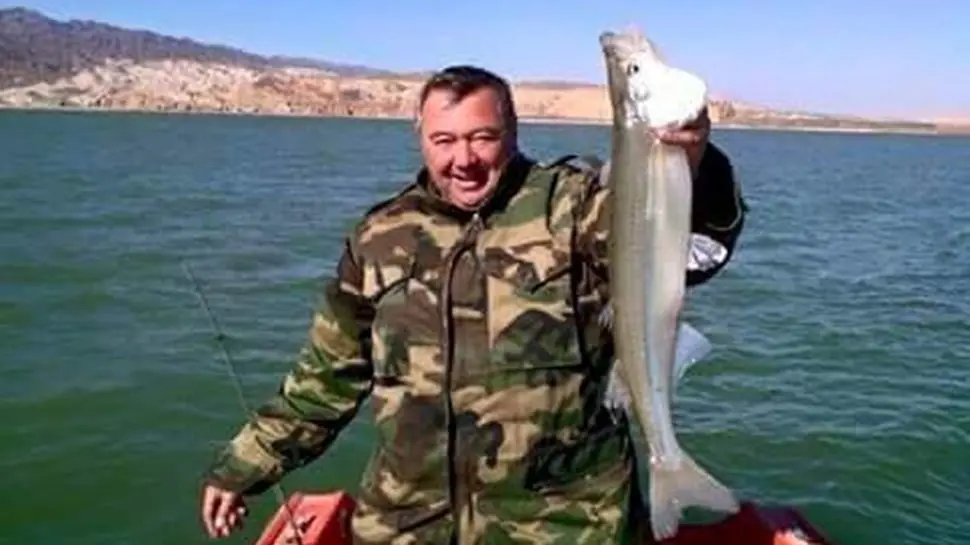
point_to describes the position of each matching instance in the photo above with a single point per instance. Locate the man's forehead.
(443, 100)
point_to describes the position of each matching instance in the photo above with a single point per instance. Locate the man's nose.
(463, 154)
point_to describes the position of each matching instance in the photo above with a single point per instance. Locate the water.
(838, 382)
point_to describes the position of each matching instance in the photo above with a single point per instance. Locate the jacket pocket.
(389, 334)
(531, 321)
(405, 331)
(585, 468)
(388, 507)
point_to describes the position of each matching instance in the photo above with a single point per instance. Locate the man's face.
(465, 145)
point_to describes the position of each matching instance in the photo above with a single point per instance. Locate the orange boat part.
(324, 519)
(321, 519)
(752, 525)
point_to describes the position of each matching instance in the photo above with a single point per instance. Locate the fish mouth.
(669, 100)
(638, 106)
(637, 102)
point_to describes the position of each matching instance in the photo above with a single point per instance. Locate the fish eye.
(632, 68)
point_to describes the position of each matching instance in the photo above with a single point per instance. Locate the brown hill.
(85, 64)
(36, 48)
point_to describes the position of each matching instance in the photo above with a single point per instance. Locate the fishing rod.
(237, 384)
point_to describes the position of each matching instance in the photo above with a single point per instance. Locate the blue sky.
(869, 57)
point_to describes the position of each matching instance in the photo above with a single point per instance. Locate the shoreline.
(954, 130)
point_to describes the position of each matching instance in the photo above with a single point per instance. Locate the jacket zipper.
(465, 240)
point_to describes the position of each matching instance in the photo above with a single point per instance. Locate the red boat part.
(321, 519)
(324, 519)
(752, 525)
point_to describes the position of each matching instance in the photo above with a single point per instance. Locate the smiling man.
(466, 306)
(468, 136)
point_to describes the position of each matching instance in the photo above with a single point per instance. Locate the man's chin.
(467, 204)
(470, 198)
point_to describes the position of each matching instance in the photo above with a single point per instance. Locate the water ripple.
(837, 382)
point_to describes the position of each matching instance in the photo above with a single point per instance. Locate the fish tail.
(674, 487)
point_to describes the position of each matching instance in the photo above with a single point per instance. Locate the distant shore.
(955, 130)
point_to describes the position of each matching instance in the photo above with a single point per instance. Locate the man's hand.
(222, 511)
(692, 137)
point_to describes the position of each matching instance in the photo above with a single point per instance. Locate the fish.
(648, 259)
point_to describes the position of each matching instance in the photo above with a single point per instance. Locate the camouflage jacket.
(476, 335)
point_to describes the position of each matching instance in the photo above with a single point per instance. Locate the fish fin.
(604, 173)
(616, 397)
(590, 162)
(692, 347)
(606, 316)
(674, 487)
(599, 168)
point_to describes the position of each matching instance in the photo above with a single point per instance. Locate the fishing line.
(237, 384)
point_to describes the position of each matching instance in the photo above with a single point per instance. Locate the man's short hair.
(463, 80)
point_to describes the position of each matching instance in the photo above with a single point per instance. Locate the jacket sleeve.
(718, 213)
(321, 394)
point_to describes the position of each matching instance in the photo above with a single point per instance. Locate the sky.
(890, 58)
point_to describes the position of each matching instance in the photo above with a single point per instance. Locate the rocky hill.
(35, 48)
(86, 64)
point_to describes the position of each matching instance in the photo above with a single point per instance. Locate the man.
(467, 307)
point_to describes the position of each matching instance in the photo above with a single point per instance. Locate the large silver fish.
(649, 247)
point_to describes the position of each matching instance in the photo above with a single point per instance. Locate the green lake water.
(839, 381)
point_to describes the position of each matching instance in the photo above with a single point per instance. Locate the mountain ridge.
(80, 63)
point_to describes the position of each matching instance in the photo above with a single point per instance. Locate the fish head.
(643, 89)
(627, 53)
